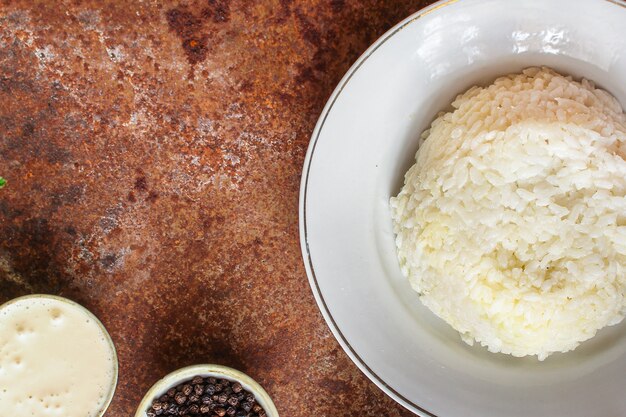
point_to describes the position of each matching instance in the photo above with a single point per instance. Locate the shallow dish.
(107, 336)
(363, 144)
(217, 371)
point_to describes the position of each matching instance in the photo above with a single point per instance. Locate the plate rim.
(304, 244)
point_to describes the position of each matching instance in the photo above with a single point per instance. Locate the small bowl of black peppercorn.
(206, 391)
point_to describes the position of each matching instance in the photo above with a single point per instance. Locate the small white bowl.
(217, 371)
(111, 392)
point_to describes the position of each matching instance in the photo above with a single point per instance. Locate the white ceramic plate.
(363, 144)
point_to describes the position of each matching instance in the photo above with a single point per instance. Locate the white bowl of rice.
(463, 210)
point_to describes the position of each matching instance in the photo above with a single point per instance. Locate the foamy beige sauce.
(55, 360)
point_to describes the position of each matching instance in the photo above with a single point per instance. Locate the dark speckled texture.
(153, 153)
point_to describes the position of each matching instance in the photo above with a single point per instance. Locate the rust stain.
(337, 5)
(167, 203)
(218, 10)
(193, 29)
(141, 184)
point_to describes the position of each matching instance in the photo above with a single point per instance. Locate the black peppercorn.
(222, 398)
(231, 411)
(197, 380)
(194, 398)
(180, 398)
(247, 406)
(220, 412)
(150, 413)
(173, 409)
(171, 392)
(232, 400)
(205, 409)
(206, 399)
(198, 389)
(187, 389)
(194, 409)
(210, 389)
(257, 408)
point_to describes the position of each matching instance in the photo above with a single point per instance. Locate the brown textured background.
(153, 153)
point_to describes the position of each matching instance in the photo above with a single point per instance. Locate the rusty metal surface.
(153, 153)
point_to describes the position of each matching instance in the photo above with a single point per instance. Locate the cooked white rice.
(511, 225)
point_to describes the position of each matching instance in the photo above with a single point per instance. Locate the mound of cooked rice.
(511, 225)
